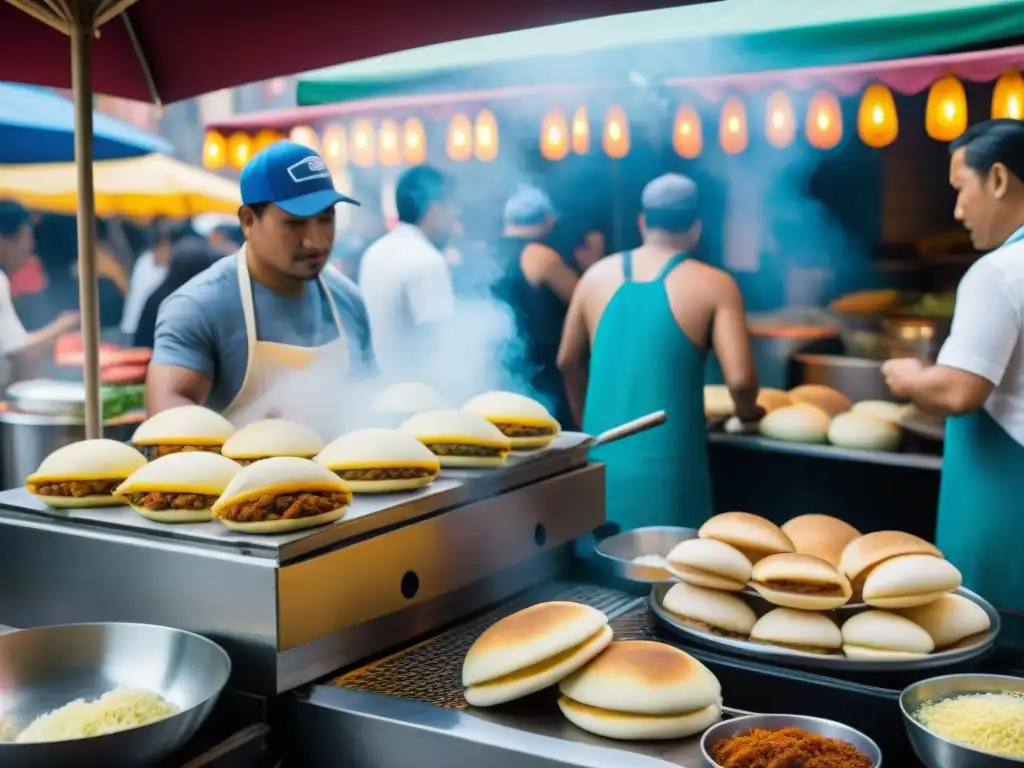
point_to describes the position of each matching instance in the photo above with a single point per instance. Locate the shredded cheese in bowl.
(116, 710)
(988, 722)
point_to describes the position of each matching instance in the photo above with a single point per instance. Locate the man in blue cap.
(268, 331)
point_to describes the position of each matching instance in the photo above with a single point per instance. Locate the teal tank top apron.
(641, 361)
(981, 505)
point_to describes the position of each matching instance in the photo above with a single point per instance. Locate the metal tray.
(811, 661)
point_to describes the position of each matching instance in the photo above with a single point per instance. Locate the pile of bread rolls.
(812, 413)
(629, 690)
(896, 590)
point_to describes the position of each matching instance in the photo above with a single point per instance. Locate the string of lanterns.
(390, 144)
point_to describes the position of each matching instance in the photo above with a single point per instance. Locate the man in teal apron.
(635, 341)
(978, 381)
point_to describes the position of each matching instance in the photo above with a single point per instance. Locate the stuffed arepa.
(84, 474)
(178, 487)
(272, 437)
(183, 428)
(380, 461)
(282, 494)
(460, 438)
(525, 422)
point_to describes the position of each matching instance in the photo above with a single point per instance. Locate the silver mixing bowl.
(43, 669)
(616, 553)
(936, 751)
(828, 728)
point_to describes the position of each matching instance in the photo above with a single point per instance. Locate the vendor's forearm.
(744, 398)
(948, 391)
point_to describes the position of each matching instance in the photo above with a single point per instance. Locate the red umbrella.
(166, 50)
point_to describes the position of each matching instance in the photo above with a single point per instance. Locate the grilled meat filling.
(393, 473)
(802, 648)
(804, 588)
(75, 488)
(287, 506)
(521, 430)
(159, 501)
(461, 449)
(166, 450)
(703, 626)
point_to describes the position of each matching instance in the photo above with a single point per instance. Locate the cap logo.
(311, 168)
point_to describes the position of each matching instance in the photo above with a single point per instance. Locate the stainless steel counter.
(292, 608)
(887, 458)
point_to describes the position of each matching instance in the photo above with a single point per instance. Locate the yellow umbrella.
(139, 188)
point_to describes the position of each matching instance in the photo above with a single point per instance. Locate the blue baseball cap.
(292, 177)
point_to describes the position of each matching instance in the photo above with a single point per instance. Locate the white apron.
(302, 384)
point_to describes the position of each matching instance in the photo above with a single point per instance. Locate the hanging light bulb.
(732, 127)
(687, 137)
(946, 110)
(264, 139)
(239, 149)
(554, 135)
(878, 124)
(306, 136)
(363, 144)
(215, 150)
(414, 141)
(581, 131)
(824, 127)
(779, 120)
(1008, 96)
(616, 133)
(335, 147)
(460, 138)
(389, 149)
(485, 136)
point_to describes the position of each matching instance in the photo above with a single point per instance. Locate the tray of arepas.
(819, 595)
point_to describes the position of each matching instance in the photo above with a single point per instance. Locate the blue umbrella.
(38, 126)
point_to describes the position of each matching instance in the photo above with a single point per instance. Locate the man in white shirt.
(978, 380)
(404, 278)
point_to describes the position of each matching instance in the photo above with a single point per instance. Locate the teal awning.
(726, 37)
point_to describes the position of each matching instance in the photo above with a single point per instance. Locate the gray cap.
(671, 192)
(528, 205)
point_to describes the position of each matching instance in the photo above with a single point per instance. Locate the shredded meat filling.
(159, 501)
(287, 506)
(75, 488)
(393, 473)
(802, 648)
(703, 626)
(461, 449)
(521, 430)
(166, 450)
(804, 588)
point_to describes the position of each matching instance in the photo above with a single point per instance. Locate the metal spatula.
(628, 429)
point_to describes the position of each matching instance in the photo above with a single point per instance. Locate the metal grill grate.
(432, 670)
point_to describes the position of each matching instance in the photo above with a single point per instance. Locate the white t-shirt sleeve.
(12, 333)
(429, 292)
(986, 323)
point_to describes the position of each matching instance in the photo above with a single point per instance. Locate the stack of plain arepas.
(620, 690)
(813, 413)
(810, 567)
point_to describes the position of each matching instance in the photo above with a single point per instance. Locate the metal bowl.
(43, 669)
(937, 751)
(829, 728)
(617, 552)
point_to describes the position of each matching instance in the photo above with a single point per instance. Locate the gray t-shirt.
(201, 325)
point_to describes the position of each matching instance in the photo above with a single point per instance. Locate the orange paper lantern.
(946, 112)
(779, 120)
(616, 133)
(732, 127)
(581, 131)
(554, 135)
(824, 127)
(687, 137)
(239, 149)
(414, 141)
(264, 139)
(215, 150)
(363, 144)
(877, 121)
(485, 136)
(1008, 96)
(389, 148)
(460, 138)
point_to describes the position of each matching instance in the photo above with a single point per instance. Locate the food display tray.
(819, 662)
